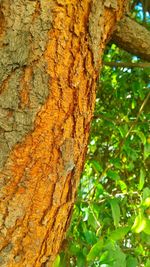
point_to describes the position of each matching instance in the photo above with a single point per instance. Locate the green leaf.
(116, 162)
(99, 190)
(133, 105)
(56, 261)
(131, 262)
(92, 221)
(80, 260)
(123, 130)
(90, 237)
(115, 211)
(147, 263)
(141, 136)
(123, 186)
(142, 179)
(115, 255)
(146, 151)
(62, 259)
(119, 233)
(96, 165)
(130, 166)
(146, 229)
(95, 250)
(104, 256)
(74, 248)
(113, 175)
(146, 202)
(146, 193)
(139, 223)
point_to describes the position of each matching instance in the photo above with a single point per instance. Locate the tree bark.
(127, 64)
(133, 38)
(50, 56)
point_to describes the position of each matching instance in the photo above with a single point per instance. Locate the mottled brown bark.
(133, 37)
(50, 56)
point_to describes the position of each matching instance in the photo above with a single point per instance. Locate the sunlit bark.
(133, 37)
(50, 57)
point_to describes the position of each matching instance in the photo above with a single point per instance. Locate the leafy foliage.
(111, 220)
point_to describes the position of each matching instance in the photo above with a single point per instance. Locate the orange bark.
(42, 171)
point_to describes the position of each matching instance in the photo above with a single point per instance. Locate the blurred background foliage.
(111, 220)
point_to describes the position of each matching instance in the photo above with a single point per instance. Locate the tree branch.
(133, 38)
(127, 64)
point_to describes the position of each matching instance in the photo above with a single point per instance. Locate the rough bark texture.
(133, 38)
(50, 55)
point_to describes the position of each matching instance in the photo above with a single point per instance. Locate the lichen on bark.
(111, 4)
(25, 36)
(96, 28)
(24, 79)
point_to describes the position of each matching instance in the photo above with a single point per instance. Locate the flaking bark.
(45, 123)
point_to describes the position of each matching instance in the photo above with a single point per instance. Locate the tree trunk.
(49, 61)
